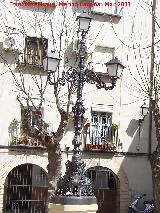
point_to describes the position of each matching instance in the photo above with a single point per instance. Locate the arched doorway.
(106, 188)
(26, 190)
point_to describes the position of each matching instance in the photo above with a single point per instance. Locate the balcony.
(19, 139)
(104, 138)
(30, 59)
(24, 141)
(110, 147)
(35, 49)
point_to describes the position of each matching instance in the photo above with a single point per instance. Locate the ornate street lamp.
(74, 187)
(144, 109)
(114, 68)
(51, 62)
(84, 21)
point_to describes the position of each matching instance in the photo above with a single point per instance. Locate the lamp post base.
(73, 204)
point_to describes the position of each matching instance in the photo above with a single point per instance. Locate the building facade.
(115, 144)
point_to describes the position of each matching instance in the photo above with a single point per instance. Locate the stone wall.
(11, 159)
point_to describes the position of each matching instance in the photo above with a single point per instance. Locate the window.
(101, 128)
(107, 7)
(26, 131)
(100, 56)
(30, 117)
(35, 50)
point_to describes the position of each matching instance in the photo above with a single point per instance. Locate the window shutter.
(102, 108)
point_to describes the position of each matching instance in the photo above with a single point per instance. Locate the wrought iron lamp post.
(74, 186)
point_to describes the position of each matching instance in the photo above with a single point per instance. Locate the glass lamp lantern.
(84, 21)
(144, 109)
(114, 68)
(51, 62)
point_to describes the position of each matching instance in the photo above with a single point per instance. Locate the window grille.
(101, 128)
(102, 178)
(31, 117)
(22, 195)
(35, 50)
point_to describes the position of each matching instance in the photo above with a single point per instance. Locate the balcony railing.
(30, 59)
(105, 139)
(17, 138)
(111, 147)
(24, 141)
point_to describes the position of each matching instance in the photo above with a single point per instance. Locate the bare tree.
(62, 42)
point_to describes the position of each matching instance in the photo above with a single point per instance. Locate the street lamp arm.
(68, 76)
(93, 78)
(71, 75)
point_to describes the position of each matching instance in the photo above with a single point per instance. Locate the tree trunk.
(155, 158)
(54, 164)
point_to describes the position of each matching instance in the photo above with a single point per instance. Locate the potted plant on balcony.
(13, 130)
(45, 125)
(23, 139)
(114, 147)
(114, 126)
(110, 146)
(13, 141)
(107, 145)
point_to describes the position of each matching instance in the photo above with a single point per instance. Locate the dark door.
(26, 190)
(106, 199)
(105, 189)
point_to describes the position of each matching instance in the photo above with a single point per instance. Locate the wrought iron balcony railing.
(105, 138)
(18, 138)
(111, 147)
(24, 141)
(30, 59)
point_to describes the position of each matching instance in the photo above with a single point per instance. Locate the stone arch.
(105, 193)
(116, 168)
(26, 188)
(10, 161)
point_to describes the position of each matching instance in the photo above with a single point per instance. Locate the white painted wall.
(130, 35)
(139, 175)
